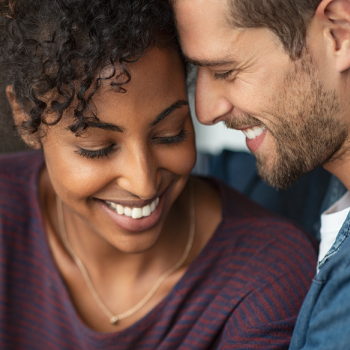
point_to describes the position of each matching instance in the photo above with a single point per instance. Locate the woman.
(105, 241)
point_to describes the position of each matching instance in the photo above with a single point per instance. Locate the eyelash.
(173, 140)
(222, 76)
(96, 154)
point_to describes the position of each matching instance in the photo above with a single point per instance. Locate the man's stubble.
(304, 128)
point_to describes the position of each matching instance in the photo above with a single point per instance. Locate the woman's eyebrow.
(158, 118)
(105, 126)
(169, 110)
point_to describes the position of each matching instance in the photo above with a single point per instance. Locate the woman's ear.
(19, 117)
(336, 14)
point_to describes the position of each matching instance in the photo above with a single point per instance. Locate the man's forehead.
(212, 51)
(220, 9)
(203, 25)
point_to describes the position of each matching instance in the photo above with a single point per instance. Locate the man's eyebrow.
(105, 126)
(169, 110)
(210, 63)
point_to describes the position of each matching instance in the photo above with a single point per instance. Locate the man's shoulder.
(338, 264)
(324, 319)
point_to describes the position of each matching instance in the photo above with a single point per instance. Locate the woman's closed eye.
(180, 137)
(101, 153)
(105, 152)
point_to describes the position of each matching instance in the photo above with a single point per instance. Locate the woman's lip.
(127, 223)
(133, 204)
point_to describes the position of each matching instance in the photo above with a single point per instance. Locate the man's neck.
(341, 169)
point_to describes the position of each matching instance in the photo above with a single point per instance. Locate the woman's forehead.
(159, 74)
(157, 83)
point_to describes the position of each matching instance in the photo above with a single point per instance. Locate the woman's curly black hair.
(57, 48)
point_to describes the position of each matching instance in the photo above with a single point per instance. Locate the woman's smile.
(135, 211)
(135, 218)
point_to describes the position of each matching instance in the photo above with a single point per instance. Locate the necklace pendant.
(113, 319)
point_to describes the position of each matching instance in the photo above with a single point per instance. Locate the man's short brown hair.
(288, 19)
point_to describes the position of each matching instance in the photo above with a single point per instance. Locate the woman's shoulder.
(238, 207)
(254, 265)
(20, 165)
(18, 185)
(254, 226)
(255, 251)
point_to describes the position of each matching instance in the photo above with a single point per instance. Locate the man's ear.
(336, 16)
(19, 117)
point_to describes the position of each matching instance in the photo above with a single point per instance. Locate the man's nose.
(211, 103)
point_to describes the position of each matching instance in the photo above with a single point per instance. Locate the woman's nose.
(140, 175)
(211, 102)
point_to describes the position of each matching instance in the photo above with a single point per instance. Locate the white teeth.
(135, 213)
(113, 205)
(127, 211)
(146, 211)
(258, 130)
(250, 133)
(254, 132)
(120, 209)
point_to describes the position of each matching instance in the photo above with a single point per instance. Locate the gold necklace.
(113, 319)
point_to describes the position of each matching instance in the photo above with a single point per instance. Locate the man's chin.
(277, 175)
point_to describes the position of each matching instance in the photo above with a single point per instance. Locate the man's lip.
(255, 143)
(242, 128)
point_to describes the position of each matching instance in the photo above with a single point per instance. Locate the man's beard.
(301, 150)
(306, 131)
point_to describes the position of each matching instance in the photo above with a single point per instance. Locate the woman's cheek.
(75, 178)
(182, 158)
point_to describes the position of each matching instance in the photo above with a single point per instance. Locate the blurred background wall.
(9, 139)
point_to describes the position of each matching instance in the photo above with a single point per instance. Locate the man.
(279, 70)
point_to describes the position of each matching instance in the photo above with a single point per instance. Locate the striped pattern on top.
(243, 291)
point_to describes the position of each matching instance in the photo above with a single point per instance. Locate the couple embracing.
(107, 242)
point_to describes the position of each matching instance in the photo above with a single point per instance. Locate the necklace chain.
(115, 318)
